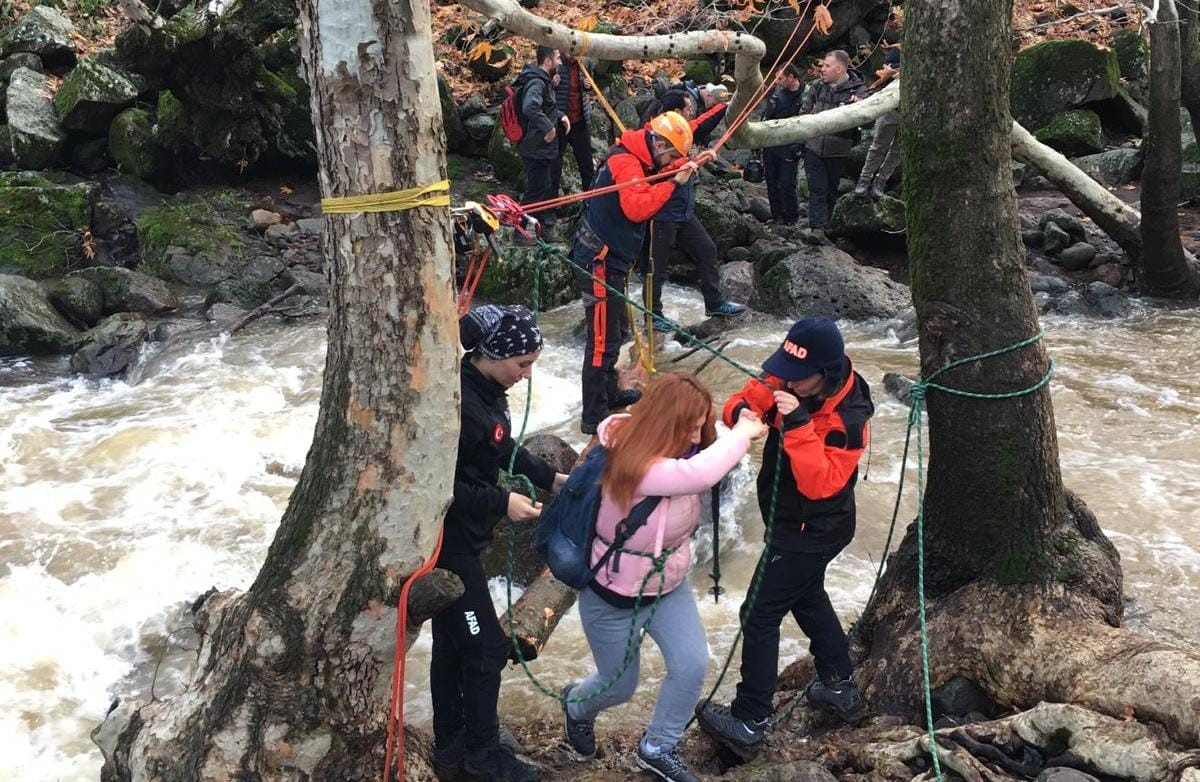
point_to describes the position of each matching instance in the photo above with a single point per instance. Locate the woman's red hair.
(660, 425)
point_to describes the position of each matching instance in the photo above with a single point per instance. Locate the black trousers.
(607, 321)
(780, 166)
(541, 183)
(793, 583)
(823, 175)
(469, 652)
(580, 141)
(697, 245)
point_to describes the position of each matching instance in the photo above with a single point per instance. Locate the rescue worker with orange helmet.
(609, 240)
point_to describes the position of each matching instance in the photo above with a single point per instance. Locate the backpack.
(510, 114)
(567, 527)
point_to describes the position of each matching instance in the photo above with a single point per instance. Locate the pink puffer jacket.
(679, 482)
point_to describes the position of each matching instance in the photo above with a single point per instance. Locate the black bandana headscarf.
(500, 331)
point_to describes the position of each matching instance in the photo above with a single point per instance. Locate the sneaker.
(839, 698)
(448, 760)
(860, 189)
(662, 325)
(667, 765)
(743, 737)
(624, 398)
(877, 192)
(522, 240)
(495, 764)
(728, 309)
(581, 734)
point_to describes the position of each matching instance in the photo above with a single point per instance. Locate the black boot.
(839, 698)
(448, 760)
(496, 764)
(743, 737)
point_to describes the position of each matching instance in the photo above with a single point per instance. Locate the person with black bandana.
(469, 647)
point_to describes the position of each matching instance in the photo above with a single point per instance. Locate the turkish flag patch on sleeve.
(498, 435)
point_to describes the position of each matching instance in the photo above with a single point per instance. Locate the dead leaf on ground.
(822, 19)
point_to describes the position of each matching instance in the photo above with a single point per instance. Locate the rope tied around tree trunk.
(437, 194)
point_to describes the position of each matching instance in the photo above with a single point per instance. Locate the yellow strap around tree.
(596, 87)
(437, 194)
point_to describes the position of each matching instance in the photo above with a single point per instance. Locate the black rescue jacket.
(485, 445)
(821, 97)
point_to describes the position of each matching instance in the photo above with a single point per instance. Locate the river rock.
(254, 283)
(112, 347)
(899, 386)
(1189, 183)
(311, 226)
(1069, 223)
(1077, 257)
(760, 208)
(1061, 774)
(505, 160)
(823, 280)
(224, 313)
(131, 142)
(43, 31)
(29, 325)
(1106, 301)
(1075, 132)
(1133, 54)
(1108, 273)
(78, 300)
(1114, 167)
(37, 138)
(474, 105)
(1048, 283)
(479, 127)
(511, 282)
(41, 223)
(724, 216)
(19, 60)
(456, 134)
(130, 291)
(91, 156)
(261, 218)
(1054, 239)
(737, 281)
(869, 223)
(92, 95)
(1053, 76)
(314, 283)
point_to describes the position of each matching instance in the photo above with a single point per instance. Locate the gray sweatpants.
(680, 637)
(883, 158)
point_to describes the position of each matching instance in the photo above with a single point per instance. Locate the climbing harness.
(472, 220)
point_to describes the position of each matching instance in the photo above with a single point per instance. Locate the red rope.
(395, 738)
(471, 280)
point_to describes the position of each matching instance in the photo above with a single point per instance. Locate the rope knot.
(918, 392)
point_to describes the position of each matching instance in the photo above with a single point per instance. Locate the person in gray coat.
(825, 156)
(884, 156)
(542, 123)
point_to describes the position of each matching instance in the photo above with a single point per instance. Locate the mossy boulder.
(511, 280)
(823, 280)
(37, 137)
(1190, 181)
(700, 72)
(495, 64)
(28, 324)
(78, 300)
(196, 242)
(6, 155)
(43, 31)
(42, 224)
(132, 144)
(92, 95)
(456, 134)
(1133, 54)
(1114, 167)
(869, 222)
(19, 60)
(1054, 76)
(111, 347)
(1076, 132)
(124, 290)
(724, 216)
(505, 160)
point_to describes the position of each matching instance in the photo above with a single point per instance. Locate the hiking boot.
(448, 760)
(860, 189)
(624, 398)
(496, 764)
(523, 240)
(581, 734)
(839, 698)
(587, 428)
(727, 310)
(877, 192)
(667, 765)
(662, 325)
(743, 737)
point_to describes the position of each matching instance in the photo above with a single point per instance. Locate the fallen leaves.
(822, 19)
(481, 51)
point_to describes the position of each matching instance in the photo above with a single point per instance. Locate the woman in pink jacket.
(666, 447)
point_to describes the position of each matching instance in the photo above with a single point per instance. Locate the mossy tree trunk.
(1165, 269)
(996, 511)
(293, 676)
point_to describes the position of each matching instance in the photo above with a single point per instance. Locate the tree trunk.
(1189, 35)
(1165, 270)
(293, 676)
(995, 507)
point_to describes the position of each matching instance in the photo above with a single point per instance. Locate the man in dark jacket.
(469, 647)
(609, 240)
(825, 156)
(542, 121)
(572, 100)
(820, 407)
(781, 163)
(676, 225)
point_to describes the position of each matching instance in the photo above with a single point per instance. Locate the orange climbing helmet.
(675, 129)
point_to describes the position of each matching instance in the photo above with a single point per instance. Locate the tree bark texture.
(293, 676)
(1165, 269)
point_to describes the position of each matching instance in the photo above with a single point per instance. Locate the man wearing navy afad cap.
(813, 399)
